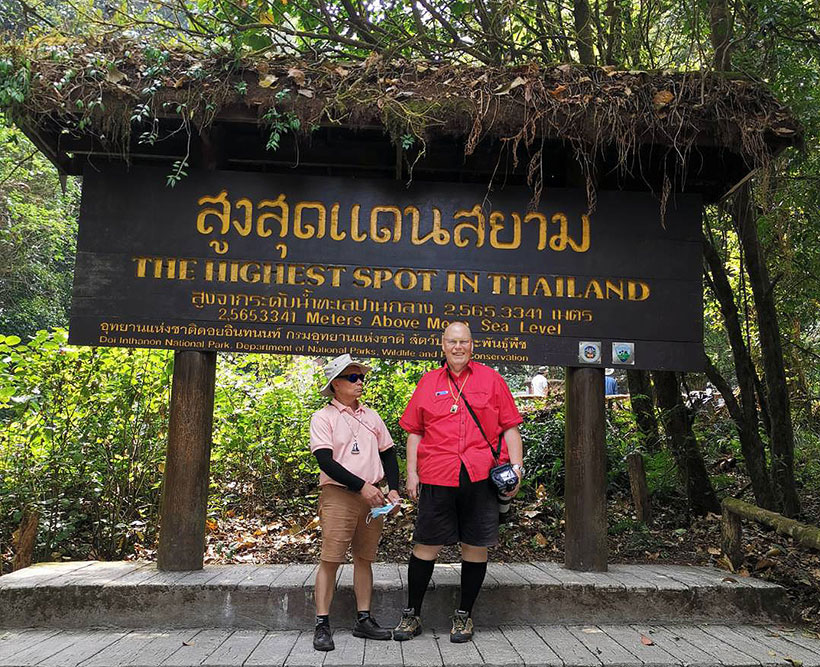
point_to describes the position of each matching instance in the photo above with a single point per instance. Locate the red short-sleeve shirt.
(450, 439)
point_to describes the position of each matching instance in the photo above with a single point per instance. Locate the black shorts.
(467, 513)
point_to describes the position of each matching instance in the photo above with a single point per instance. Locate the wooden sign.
(251, 262)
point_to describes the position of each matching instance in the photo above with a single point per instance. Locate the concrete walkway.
(507, 646)
(280, 597)
(96, 614)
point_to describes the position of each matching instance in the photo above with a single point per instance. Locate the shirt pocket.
(479, 400)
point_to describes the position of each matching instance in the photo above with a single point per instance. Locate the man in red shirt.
(448, 465)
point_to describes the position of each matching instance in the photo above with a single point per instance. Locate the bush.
(82, 442)
(84, 434)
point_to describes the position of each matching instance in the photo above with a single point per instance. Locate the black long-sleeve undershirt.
(338, 473)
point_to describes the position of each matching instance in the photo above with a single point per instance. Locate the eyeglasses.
(454, 343)
(353, 377)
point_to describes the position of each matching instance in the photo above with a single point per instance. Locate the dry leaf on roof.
(507, 87)
(662, 98)
(115, 76)
(297, 75)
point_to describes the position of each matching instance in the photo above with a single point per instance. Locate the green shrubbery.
(84, 431)
(83, 434)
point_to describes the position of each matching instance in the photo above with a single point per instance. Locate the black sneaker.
(369, 629)
(322, 639)
(462, 630)
(408, 627)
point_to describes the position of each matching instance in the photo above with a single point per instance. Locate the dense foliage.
(84, 429)
(38, 230)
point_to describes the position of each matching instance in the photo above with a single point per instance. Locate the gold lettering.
(594, 287)
(224, 215)
(354, 225)
(612, 288)
(560, 241)
(542, 286)
(244, 228)
(542, 227)
(440, 236)
(478, 226)
(249, 272)
(497, 225)
(361, 277)
(637, 290)
(335, 234)
(383, 235)
(282, 217)
(315, 274)
(309, 230)
(141, 262)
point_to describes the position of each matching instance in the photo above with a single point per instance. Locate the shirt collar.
(341, 407)
(469, 367)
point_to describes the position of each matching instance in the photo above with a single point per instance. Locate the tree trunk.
(583, 32)
(25, 539)
(781, 436)
(744, 413)
(683, 445)
(720, 23)
(640, 391)
(639, 487)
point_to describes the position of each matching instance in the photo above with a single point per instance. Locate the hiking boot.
(369, 629)
(408, 627)
(322, 639)
(462, 630)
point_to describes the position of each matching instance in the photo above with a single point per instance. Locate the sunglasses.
(353, 377)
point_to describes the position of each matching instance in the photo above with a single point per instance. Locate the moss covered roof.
(130, 98)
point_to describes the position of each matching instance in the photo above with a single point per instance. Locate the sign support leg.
(585, 464)
(187, 463)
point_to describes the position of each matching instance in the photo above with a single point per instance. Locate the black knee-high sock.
(419, 573)
(472, 576)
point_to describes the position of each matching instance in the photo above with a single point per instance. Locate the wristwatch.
(519, 469)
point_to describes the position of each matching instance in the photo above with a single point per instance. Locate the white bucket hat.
(334, 369)
(610, 371)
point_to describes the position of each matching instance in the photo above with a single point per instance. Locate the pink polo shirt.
(447, 439)
(338, 427)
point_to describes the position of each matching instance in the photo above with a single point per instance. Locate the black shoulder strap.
(495, 453)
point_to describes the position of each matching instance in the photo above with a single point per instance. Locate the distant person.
(355, 452)
(610, 383)
(539, 385)
(456, 417)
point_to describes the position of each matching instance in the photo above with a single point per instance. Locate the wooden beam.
(585, 462)
(185, 483)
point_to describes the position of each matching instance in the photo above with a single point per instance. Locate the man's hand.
(394, 497)
(412, 485)
(373, 496)
(514, 492)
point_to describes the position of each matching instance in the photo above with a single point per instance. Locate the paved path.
(507, 646)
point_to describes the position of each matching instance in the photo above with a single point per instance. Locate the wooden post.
(187, 463)
(585, 462)
(640, 490)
